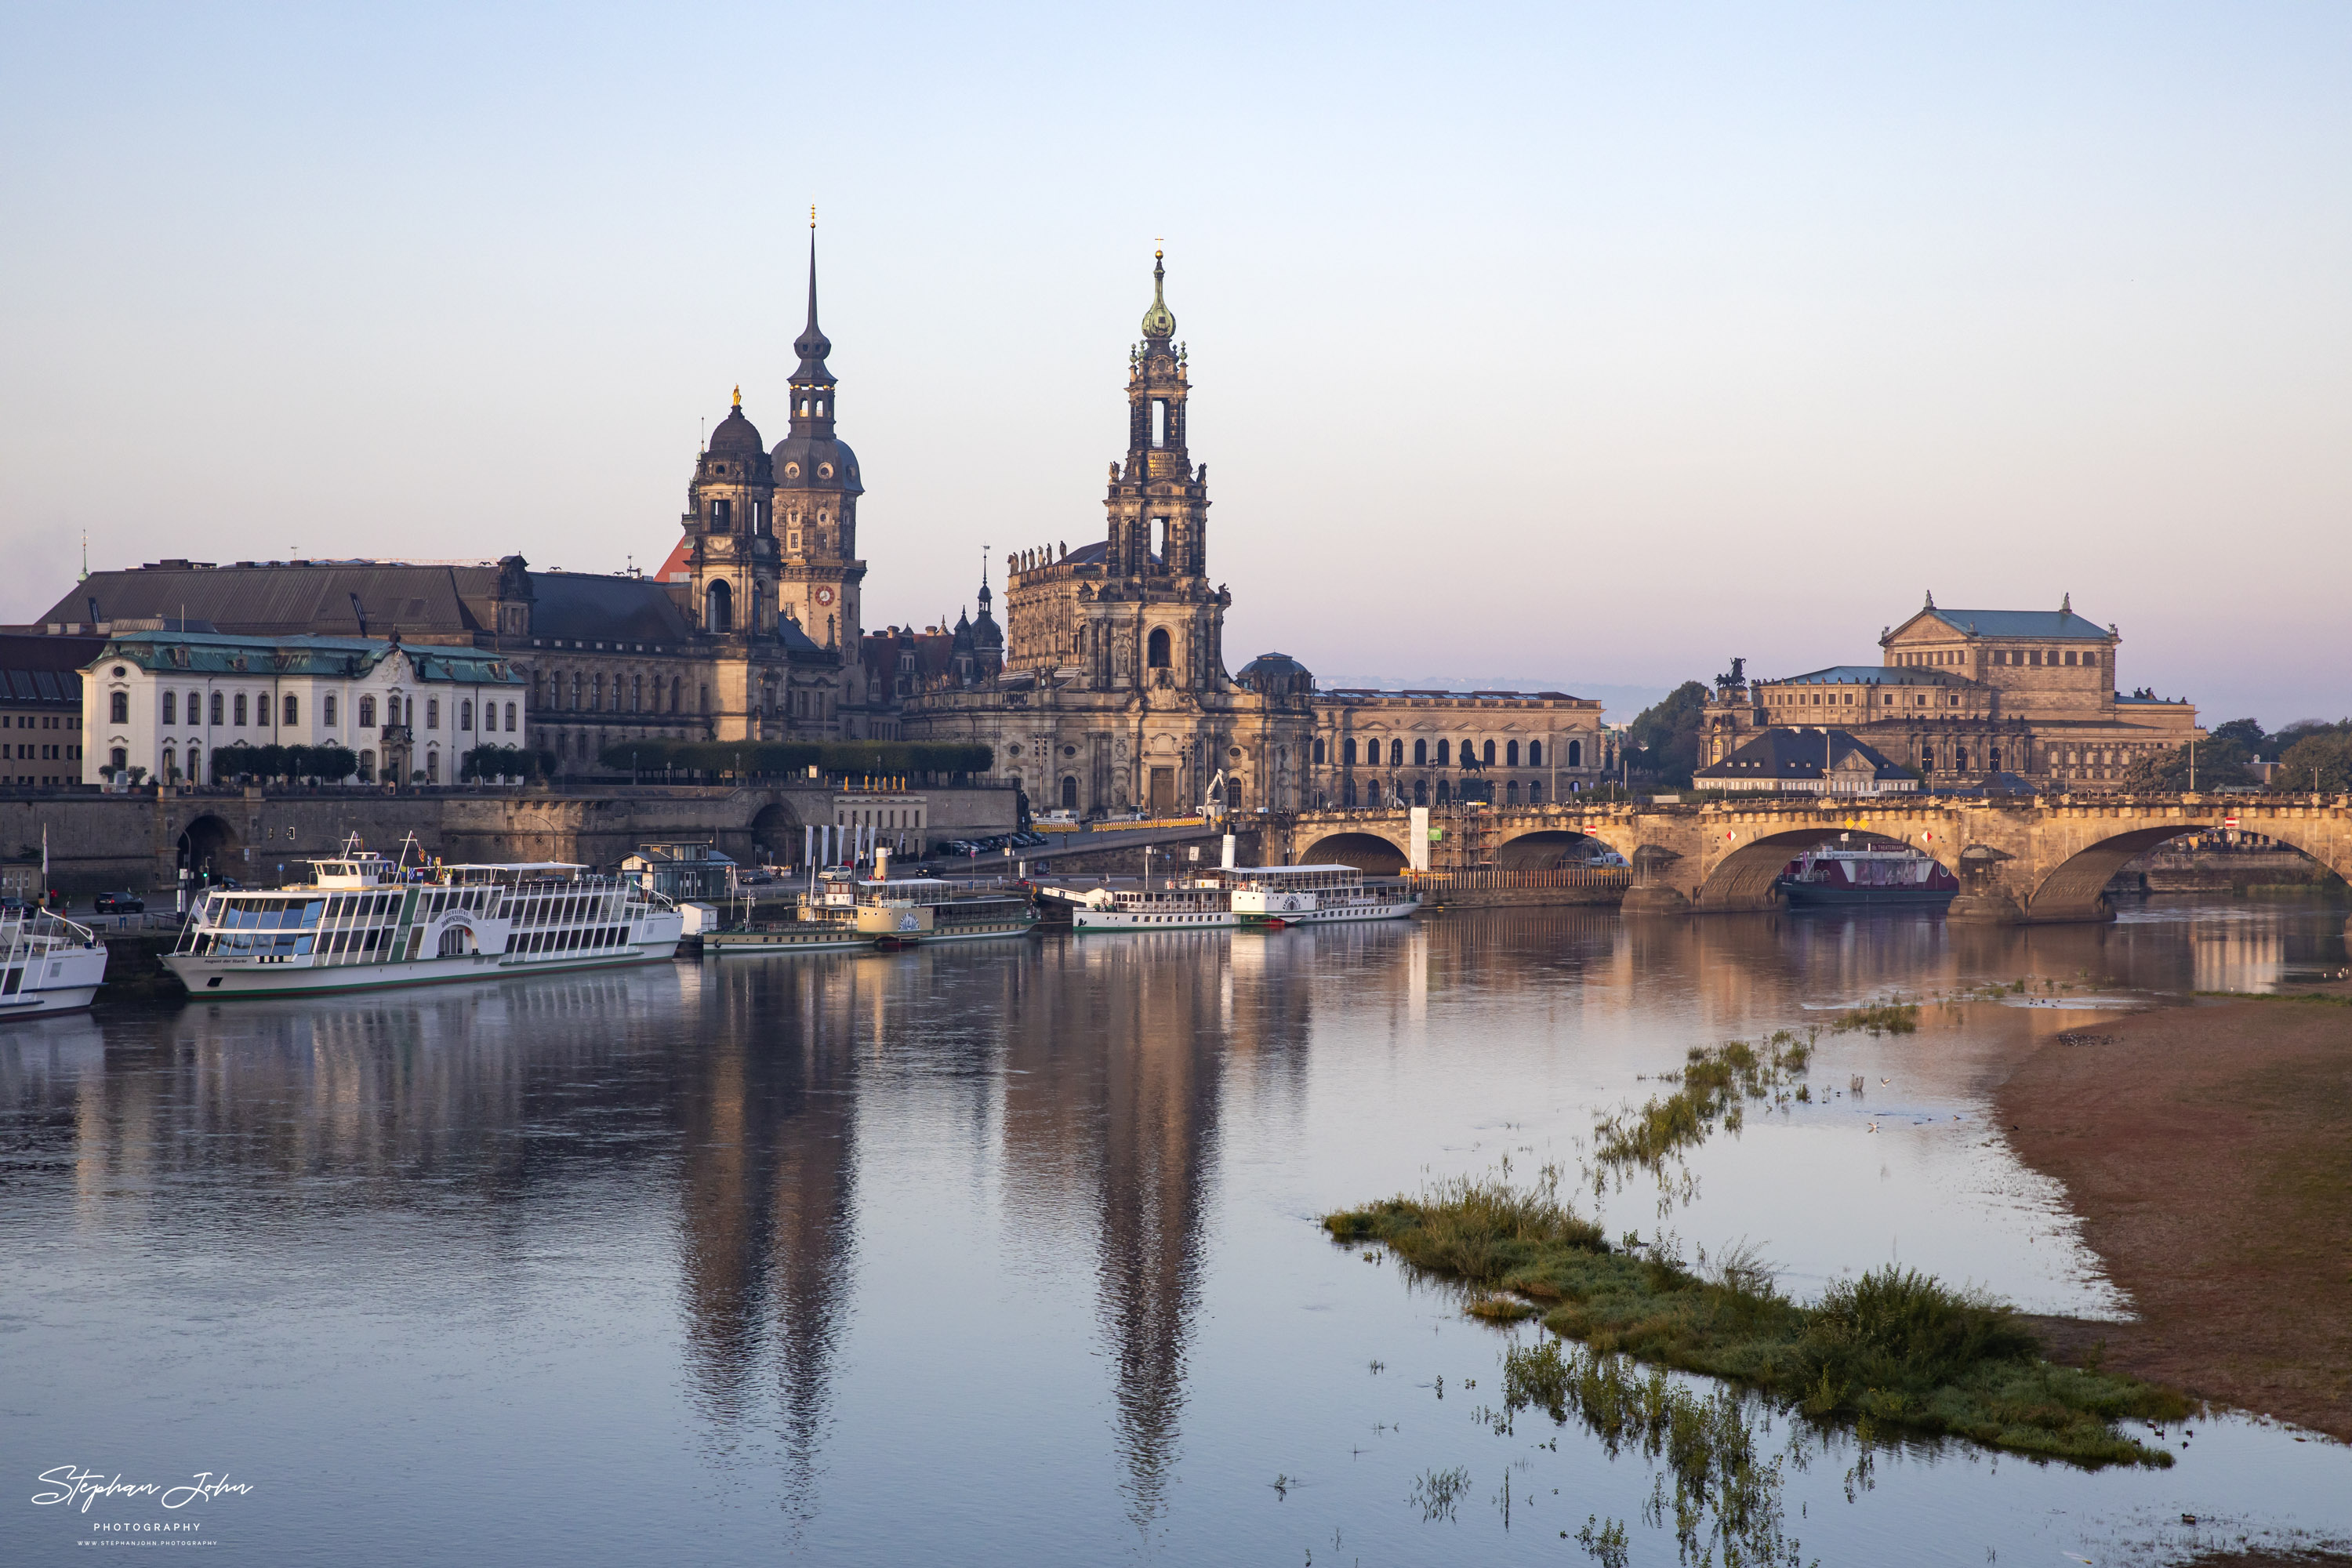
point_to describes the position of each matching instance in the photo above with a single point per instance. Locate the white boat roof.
(509, 866)
(1283, 870)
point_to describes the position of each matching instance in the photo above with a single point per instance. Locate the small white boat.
(48, 964)
(364, 923)
(1230, 896)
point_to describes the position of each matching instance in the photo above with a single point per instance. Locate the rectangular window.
(240, 710)
(293, 713)
(219, 703)
(510, 715)
(327, 713)
(465, 715)
(433, 713)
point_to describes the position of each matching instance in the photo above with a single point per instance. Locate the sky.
(1581, 346)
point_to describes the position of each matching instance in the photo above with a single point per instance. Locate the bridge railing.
(1561, 877)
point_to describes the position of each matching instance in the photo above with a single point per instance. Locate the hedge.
(328, 762)
(896, 758)
(505, 763)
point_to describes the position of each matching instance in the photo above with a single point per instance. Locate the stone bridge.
(2018, 861)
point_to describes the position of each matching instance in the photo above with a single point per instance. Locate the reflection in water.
(704, 1123)
(766, 1185)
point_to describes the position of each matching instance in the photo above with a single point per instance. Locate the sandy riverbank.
(2209, 1152)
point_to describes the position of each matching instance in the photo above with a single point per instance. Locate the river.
(1008, 1253)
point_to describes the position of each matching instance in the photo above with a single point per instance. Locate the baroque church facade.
(1106, 690)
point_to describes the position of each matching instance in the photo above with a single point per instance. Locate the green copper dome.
(1158, 322)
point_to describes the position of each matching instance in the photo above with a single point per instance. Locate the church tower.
(1159, 505)
(730, 545)
(817, 490)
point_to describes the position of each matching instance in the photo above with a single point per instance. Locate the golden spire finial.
(739, 396)
(812, 215)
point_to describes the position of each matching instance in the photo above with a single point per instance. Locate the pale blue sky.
(1590, 343)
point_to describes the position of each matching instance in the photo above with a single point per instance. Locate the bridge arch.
(208, 844)
(1743, 879)
(1547, 848)
(2074, 887)
(1372, 853)
(776, 833)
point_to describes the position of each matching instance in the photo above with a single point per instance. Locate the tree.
(2218, 763)
(2321, 760)
(1665, 736)
(2246, 732)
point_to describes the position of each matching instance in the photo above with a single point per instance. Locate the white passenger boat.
(363, 922)
(48, 964)
(842, 911)
(1270, 895)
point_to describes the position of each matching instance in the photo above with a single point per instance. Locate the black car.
(120, 904)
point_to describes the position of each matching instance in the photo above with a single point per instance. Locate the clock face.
(824, 595)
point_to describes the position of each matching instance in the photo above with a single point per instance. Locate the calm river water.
(1008, 1253)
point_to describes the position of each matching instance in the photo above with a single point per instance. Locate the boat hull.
(214, 980)
(1812, 895)
(1099, 921)
(41, 1004)
(757, 943)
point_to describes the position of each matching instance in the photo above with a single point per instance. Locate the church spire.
(813, 383)
(1158, 322)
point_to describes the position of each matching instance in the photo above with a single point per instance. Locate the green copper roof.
(1158, 321)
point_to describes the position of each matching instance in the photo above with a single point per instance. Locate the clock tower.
(817, 490)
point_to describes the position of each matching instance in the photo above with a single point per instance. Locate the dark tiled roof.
(628, 609)
(1796, 753)
(313, 598)
(44, 669)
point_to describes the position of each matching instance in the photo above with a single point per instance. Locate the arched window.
(1156, 649)
(118, 707)
(117, 760)
(1347, 791)
(673, 697)
(170, 767)
(465, 717)
(1396, 754)
(220, 707)
(293, 713)
(1421, 791)
(1534, 754)
(1489, 754)
(433, 713)
(597, 692)
(718, 608)
(1992, 760)
(510, 716)
(1576, 754)
(1511, 792)
(1535, 790)
(1069, 793)
(171, 708)
(432, 767)
(367, 712)
(1420, 753)
(1442, 755)
(1348, 755)
(195, 708)
(1511, 754)
(1319, 753)
(195, 764)
(240, 710)
(636, 694)
(1444, 791)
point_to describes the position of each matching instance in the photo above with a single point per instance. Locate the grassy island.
(1892, 1348)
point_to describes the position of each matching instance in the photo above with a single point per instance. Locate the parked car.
(120, 904)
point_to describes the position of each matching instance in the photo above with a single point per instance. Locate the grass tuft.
(1879, 1018)
(1892, 1348)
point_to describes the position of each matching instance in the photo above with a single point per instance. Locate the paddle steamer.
(364, 923)
(1228, 896)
